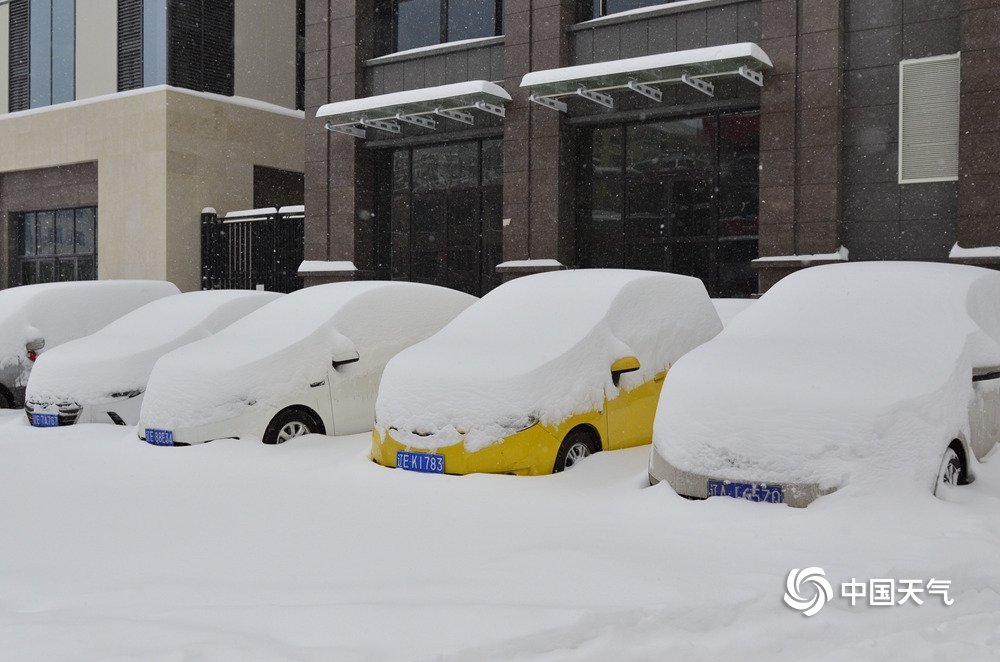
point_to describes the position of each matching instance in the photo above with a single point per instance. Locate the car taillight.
(32, 355)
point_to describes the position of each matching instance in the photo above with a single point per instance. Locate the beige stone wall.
(4, 57)
(265, 51)
(96, 48)
(163, 154)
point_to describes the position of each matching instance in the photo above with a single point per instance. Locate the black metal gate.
(255, 249)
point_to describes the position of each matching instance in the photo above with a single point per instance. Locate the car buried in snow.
(101, 378)
(34, 319)
(309, 362)
(877, 375)
(540, 373)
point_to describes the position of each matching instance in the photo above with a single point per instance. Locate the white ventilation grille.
(928, 119)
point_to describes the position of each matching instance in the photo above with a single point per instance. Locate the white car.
(101, 378)
(874, 375)
(36, 318)
(309, 362)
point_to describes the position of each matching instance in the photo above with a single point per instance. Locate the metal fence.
(253, 249)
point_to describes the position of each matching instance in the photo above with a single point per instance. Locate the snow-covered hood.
(540, 348)
(861, 370)
(116, 361)
(267, 358)
(59, 312)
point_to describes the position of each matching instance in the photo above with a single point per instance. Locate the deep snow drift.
(113, 549)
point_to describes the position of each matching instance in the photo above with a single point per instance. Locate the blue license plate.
(160, 437)
(45, 420)
(425, 462)
(748, 491)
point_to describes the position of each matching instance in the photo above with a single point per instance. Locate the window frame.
(387, 25)
(55, 257)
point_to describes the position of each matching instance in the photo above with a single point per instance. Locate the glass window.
(57, 245)
(406, 24)
(154, 42)
(419, 23)
(52, 66)
(673, 195)
(440, 214)
(594, 8)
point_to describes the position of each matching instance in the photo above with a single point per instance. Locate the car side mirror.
(621, 366)
(33, 346)
(343, 358)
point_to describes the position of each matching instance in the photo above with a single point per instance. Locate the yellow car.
(540, 373)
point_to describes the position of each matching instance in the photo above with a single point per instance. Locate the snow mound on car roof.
(835, 375)
(58, 312)
(540, 347)
(274, 352)
(119, 357)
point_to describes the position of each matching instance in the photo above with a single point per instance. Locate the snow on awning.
(420, 107)
(641, 74)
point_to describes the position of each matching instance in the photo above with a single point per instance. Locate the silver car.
(36, 318)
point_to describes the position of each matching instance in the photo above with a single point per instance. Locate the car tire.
(577, 445)
(953, 470)
(291, 423)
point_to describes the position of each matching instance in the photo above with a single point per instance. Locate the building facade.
(122, 119)
(462, 142)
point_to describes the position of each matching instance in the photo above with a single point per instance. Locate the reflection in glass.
(419, 24)
(469, 19)
(29, 234)
(46, 271)
(64, 232)
(63, 50)
(154, 42)
(85, 232)
(67, 270)
(46, 233)
(40, 53)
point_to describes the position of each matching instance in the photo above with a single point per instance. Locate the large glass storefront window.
(57, 245)
(405, 24)
(675, 195)
(438, 214)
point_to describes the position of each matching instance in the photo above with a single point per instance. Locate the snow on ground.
(114, 550)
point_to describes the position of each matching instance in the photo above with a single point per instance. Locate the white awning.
(419, 107)
(643, 74)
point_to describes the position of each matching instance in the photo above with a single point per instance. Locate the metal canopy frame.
(641, 75)
(416, 107)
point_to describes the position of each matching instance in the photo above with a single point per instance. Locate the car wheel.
(576, 446)
(289, 424)
(952, 471)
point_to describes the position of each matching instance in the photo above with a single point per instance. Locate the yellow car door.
(630, 415)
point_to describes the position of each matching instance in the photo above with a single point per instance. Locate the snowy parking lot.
(112, 549)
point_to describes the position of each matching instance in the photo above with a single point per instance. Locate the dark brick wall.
(883, 220)
(979, 125)
(454, 64)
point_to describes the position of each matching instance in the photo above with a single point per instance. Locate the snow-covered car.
(36, 318)
(540, 373)
(101, 378)
(309, 362)
(870, 375)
